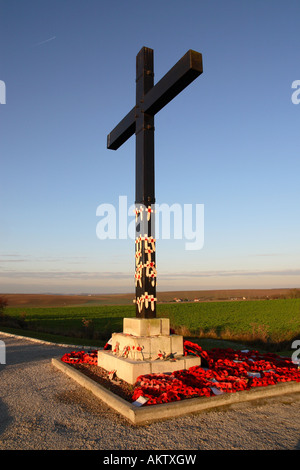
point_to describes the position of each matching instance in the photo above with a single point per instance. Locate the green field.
(276, 317)
(270, 324)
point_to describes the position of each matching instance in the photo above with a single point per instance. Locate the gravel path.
(42, 409)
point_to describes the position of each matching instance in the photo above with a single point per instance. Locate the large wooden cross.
(150, 99)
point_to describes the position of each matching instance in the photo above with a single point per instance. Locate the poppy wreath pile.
(81, 357)
(221, 371)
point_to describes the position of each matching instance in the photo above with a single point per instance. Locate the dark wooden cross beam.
(150, 99)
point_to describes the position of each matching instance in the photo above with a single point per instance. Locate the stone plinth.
(129, 370)
(145, 347)
(146, 326)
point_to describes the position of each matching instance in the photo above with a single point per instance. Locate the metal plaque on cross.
(150, 99)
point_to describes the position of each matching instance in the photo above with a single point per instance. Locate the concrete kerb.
(117, 403)
(147, 414)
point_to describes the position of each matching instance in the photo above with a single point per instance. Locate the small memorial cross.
(150, 99)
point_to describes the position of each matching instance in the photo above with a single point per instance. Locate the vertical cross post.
(145, 185)
(150, 99)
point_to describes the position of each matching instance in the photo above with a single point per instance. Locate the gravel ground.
(43, 409)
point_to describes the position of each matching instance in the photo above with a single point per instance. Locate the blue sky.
(230, 141)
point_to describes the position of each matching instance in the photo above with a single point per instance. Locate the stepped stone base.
(129, 370)
(145, 347)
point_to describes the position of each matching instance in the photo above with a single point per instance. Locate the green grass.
(267, 324)
(52, 338)
(278, 316)
(88, 322)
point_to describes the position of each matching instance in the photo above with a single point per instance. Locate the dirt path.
(42, 409)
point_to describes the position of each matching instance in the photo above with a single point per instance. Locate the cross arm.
(179, 77)
(173, 82)
(122, 132)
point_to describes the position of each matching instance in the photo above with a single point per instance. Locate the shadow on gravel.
(5, 418)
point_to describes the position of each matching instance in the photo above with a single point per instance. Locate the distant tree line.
(293, 294)
(8, 320)
(3, 304)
